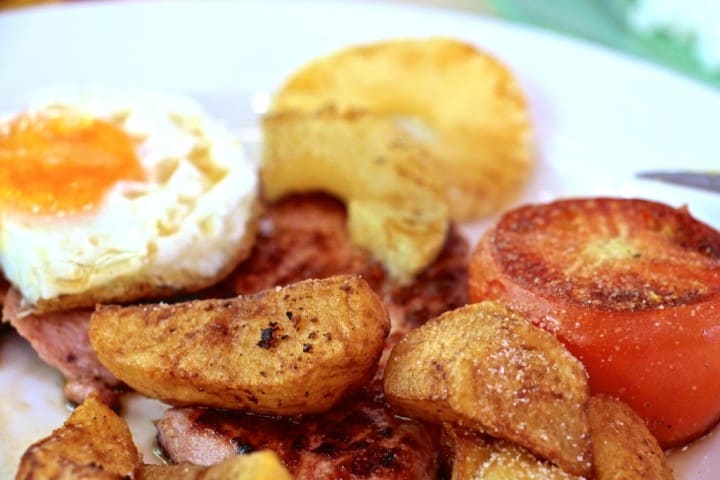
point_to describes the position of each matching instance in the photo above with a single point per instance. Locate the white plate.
(600, 118)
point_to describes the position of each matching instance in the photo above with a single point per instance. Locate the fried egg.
(111, 197)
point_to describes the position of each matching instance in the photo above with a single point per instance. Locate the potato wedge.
(260, 465)
(623, 447)
(470, 109)
(486, 368)
(478, 457)
(94, 443)
(395, 208)
(285, 351)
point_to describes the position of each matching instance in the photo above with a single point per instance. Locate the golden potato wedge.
(623, 447)
(469, 107)
(94, 443)
(285, 351)
(486, 368)
(260, 465)
(395, 208)
(478, 457)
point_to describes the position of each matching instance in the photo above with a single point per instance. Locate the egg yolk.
(61, 163)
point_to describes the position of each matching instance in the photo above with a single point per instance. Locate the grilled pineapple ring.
(469, 109)
(395, 208)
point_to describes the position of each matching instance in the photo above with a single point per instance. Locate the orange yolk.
(62, 164)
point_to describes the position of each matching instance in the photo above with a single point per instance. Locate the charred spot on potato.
(219, 328)
(267, 336)
(250, 396)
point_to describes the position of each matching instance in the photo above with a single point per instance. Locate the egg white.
(181, 226)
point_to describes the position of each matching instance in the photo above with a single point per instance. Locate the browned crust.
(623, 447)
(358, 439)
(300, 237)
(614, 254)
(93, 443)
(285, 351)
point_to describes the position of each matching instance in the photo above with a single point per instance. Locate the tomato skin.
(663, 361)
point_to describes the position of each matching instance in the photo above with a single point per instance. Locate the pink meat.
(61, 340)
(360, 439)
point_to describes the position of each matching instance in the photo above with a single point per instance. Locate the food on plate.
(61, 340)
(486, 368)
(110, 197)
(94, 443)
(288, 350)
(395, 208)
(4, 287)
(301, 237)
(262, 465)
(360, 439)
(312, 370)
(623, 447)
(479, 457)
(632, 287)
(464, 106)
(304, 236)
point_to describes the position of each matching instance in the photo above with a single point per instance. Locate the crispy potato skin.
(477, 457)
(623, 447)
(285, 351)
(261, 465)
(94, 443)
(486, 368)
(463, 451)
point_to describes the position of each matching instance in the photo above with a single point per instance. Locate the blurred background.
(682, 35)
